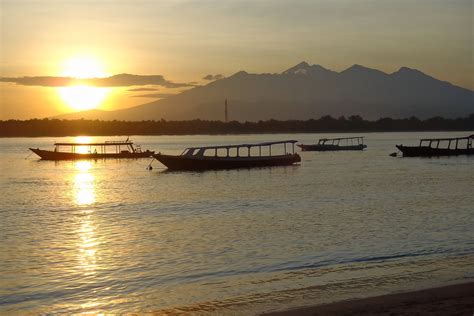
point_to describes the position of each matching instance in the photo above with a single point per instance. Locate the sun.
(83, 97)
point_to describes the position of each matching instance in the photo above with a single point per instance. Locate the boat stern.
(297, 158)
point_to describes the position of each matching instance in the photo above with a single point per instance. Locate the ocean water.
(109, 236)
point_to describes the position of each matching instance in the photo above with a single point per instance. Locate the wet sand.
(448, 300)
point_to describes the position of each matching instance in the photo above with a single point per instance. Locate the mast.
(226, 114)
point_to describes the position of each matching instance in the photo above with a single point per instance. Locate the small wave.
(292, 266)
(298, 265)
(289, 267)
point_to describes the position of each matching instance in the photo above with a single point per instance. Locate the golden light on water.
(82, 97)
(85, 189)
(83, 150)
(84, 184)
(87, 245)
(83, 139)
(87, 239)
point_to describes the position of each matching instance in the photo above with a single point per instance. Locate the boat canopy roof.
(107, 143)
(342, 138)
(446, 139)
(246, 145)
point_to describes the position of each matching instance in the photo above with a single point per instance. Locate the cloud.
(143, 89)
(121, 80)
(213, 77)
(154, 95)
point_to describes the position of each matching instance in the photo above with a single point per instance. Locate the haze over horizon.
(168, 47)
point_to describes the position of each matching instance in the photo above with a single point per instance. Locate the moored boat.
(208, 158)
(430, 147)
(336, 144)
(108, 149)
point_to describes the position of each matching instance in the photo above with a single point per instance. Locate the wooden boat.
(429, 147)
(207, 158)
(108, 149)
(334, 144)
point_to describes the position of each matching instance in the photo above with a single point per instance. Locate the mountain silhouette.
(307, 91)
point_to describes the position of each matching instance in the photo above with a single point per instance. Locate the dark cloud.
(122, 80)
(143, 89)
(154, 95)
(213, 77)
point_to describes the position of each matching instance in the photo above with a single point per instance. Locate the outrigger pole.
(149, 165)
(29, 155)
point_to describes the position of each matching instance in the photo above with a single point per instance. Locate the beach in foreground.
(448, 300)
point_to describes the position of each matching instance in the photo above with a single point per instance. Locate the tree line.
(355, 123)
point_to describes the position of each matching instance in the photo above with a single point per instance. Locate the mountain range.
(303, 92)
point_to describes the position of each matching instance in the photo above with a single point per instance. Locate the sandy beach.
(448, 300)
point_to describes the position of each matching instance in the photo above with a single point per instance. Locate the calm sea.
(110, 236)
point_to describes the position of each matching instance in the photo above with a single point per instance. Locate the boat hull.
(213, 163)
(317, 147)
(56, 155)
(426, 151)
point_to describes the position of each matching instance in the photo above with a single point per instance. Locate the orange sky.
(183, 41)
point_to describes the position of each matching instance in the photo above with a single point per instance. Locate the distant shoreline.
(239, 134)
(325, 124)
(448, 300)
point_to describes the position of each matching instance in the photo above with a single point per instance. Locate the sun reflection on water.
(84, 189)
(83, 149)
(85, 195)
(87, 255)
(83, 139)
(84, 184)
(87, 245)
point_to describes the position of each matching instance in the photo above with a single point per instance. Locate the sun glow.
(83, 67)
(83, 97)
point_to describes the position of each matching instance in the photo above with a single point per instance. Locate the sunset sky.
(177, 43)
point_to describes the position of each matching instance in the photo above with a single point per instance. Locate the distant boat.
(430, 147)
(335, 144)
(207, 158)
(108, 149)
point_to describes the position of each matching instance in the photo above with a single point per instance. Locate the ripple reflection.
(84, 184)
(87, 245)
